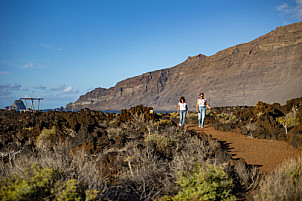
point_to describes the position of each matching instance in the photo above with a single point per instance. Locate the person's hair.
(201, 94)
(182, 98)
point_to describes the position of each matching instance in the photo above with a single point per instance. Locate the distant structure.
(32, 103)
(19, 105)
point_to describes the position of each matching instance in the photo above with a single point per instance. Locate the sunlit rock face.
(267, 69)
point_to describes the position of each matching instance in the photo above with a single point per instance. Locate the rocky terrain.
(267, 69)
(263, 121)
(140, 155)
(90, 155)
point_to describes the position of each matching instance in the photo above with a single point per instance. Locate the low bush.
(51, 174)
(204, 182)
(284, 183)
(39, 183)
(47, 137)
(140, 160)
(192, 118)
(227, 118)
(160, 141)
(163, 122)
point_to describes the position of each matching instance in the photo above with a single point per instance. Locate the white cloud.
(31, 65)
(28, 65)
(6, 89)
(3, 72)
(40, 87)
(12, 86)
(70, 90)
(67, 90)
(295, 11)
(299, 9)
(285, 8)
(59, 88)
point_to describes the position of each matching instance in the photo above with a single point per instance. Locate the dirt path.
(267, 154)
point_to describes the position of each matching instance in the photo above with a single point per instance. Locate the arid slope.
(267, 69)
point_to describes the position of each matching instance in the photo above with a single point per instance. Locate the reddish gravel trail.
(267, 154)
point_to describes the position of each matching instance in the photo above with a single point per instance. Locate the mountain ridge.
(268, 68)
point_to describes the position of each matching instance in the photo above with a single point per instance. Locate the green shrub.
(38, 183)
(204, 182)
(289, 120)
(46, 137)
(163, 122)
(66, 191)
(161, 141)
(91, 194)
(227, 118)
(159, 114)
(173, 114)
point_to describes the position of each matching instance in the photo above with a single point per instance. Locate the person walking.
(201, 109)
(182, 110)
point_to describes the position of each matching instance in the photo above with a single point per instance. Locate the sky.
(61, 49)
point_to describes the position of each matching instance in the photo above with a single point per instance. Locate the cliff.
(17, 105)
(267, 69)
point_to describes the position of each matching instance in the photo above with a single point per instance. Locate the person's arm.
(197, 105)
(187, 109)
(178, 109)
(208, 105)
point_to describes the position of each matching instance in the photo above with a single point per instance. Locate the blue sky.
(61, 49)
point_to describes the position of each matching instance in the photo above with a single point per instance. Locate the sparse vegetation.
(227, 118)
(192, 118)
(263, 121)
(94, 156)
(283, 184)
(163, 122)
(161, 142)
(137, 160)
(289, 120)
(38, 183)
(47, 137)
(204, 182)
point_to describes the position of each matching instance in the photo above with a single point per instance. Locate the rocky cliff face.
(267, 69)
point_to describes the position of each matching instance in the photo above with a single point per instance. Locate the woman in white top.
(182, 110)
(201, 109)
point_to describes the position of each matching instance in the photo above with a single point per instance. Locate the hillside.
(267, 69)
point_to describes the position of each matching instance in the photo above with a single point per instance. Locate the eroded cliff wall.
(267, 69)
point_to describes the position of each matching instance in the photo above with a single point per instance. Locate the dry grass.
(145, 167)
(80, 166)
(284, 183)
(248, 177)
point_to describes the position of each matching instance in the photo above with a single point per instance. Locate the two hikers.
(201, 106)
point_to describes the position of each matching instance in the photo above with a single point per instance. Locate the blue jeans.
(201, 115)
(182, 115)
